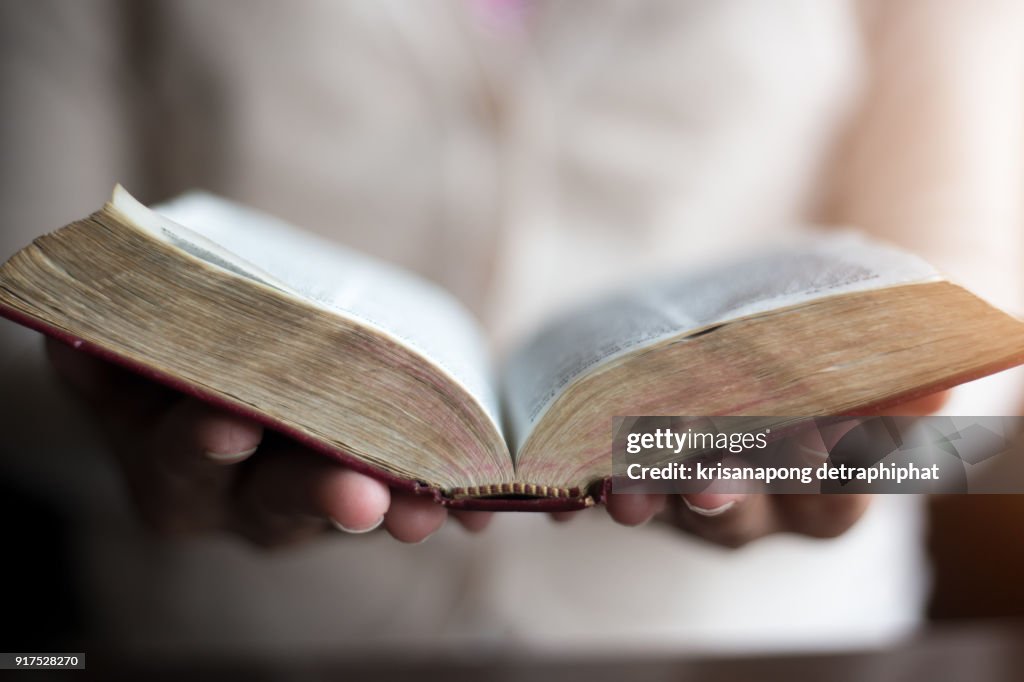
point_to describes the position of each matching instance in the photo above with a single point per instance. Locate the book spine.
(517, 489)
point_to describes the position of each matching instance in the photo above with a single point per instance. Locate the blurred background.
(524, 154)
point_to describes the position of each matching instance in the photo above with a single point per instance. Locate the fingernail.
(229, 457)
(714, 511)
(357, 531)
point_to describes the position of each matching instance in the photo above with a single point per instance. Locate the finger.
(304, 484)
(633, 510)
(288, 494)
(564, 516)
(354, 502)
(175, 467)
(473, 521)
(748, 518)
(820, 516)
(197, 441)
(412, 518)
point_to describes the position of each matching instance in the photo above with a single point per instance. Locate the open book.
(390, 375)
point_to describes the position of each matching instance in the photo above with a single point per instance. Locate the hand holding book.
(733, 520)
(189, 468)
(186, 467)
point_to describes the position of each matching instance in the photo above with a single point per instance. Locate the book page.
(577, 343)
(416, 313)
